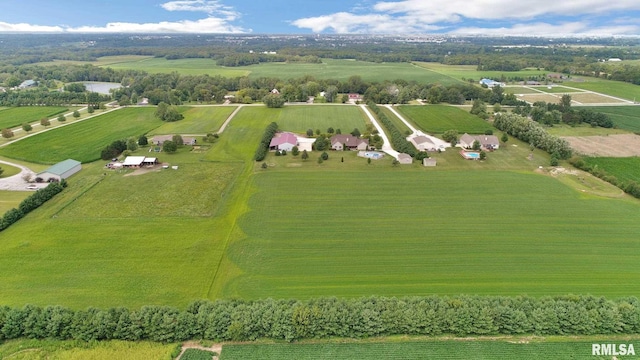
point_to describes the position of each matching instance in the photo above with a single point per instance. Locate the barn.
(60, 171)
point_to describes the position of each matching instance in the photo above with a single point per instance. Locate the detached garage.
(61, 170)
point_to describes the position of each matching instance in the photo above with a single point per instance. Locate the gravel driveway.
(16, 182)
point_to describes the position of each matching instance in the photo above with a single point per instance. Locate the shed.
(429, 162)
(61, 170)
(405, 158)
(133, 161)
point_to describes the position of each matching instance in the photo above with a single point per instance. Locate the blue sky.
(487, 17)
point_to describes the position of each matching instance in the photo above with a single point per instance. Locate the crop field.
(445, 349)
(519, 90)
(299, 119)
(466, 72)
(197, 120)
(181, 66)
(531, 98)
(77, 350)
(413, 233)
(626, 169)
(85, 140)
(583, 130)
(621, 145)
(624, 117)
(440, 118)
(16, 116)
(556, 89)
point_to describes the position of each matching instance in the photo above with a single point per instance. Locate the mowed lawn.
(624, 117)
(618, 89)
(11, 199)
(299, 119)
(625, 169)
(16, 116)
(398, 233)
(197, 120)
(396, 350)
(83, 141)
(76, 350)
(437, 119)
(181, 66)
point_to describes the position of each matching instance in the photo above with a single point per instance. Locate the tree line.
(263, 147)
(398, 140)
(533, 133)
(630, 187)
(322, 318)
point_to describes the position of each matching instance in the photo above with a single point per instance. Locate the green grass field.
(85, 140)
(619, 89)
(625, 169)
(299, 119)
(624, 117)
(446, 349)
(13, 117)
(181, 66)
(78, 350)
(440, 118)
(583, 130)
(466, 72)
(11, 199)
(197, 120)
(401, 233)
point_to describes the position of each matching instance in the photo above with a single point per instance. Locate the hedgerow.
(630, 187)
(242, 320)
(533, 133)
(263, 148)
(31, 203)
(398, 141)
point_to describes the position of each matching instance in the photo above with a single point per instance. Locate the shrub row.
(398, 140)
(263, 148)
(533, 133)
(630, 187)
(240, 320)
(31, 203)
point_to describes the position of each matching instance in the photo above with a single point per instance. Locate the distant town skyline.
(454, 17)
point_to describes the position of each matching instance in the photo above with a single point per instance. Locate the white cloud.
(208, 25)
(545, 29)
(420, 16)
(210, 7)
(22, 27)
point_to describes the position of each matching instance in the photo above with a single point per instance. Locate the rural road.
(438, 142)
(386, 147)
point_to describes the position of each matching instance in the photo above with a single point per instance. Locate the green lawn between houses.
(301, 229)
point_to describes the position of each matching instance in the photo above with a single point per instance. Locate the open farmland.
(305, 239)
(16, 116)
(624, 117)
(514, 349)
(301, 118)
(197, 120)
(83, 141)
(622, 145)
(531, 98)
(593, 98)
(625, 169)
(181, 66)
(440, 118)
(618, 89)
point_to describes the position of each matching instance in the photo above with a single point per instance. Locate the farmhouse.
(283, 141)
(354, 98)
(405, 158)
(488, 142)
(61, 170)
(160, 139)
(348, 142)
(423, 143)
(491, 83)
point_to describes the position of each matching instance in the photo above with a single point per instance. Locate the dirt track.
(623, 145)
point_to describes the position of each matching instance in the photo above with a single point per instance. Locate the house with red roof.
(283, 141)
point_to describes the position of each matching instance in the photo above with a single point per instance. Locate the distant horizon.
(545, 18)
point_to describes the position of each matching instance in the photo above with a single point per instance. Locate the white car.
(32, 187)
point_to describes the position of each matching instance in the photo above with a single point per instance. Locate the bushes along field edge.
(321, 318)
(263, 148)
(630, 187)
(31, 203)
(398, 141)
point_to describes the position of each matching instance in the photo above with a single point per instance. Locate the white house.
(423, 143)
(61, 170)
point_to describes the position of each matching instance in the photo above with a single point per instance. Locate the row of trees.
(531, 132)
(31, 203)
(263, 148)
(49, 98)
(398, 140)
(239, 320)
(550, 113)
